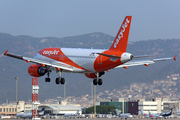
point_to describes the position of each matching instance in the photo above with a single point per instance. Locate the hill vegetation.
(78, 84)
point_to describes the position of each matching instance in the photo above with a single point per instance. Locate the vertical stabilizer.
(142, 113)
(117, 112)
(121, 39)
(149, 113)
(177, 109)
(42, 111)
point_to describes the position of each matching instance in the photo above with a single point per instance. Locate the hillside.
(78, 84)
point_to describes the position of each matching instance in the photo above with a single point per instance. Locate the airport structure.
(35, 101)
(52, 109)
(56, 109)
(156, 105)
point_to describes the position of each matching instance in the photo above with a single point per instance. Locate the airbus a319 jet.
(92, 62)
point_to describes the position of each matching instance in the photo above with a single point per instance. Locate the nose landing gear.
(48, 79)
(98, 80)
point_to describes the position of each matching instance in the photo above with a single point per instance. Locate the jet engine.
(94, 75)
(37, 70)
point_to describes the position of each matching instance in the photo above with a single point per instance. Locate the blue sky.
(151, 19)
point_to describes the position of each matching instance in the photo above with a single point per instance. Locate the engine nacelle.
(93, 75)
(37, 70)
(125, 57)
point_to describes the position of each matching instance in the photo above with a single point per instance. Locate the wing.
(42, 62)
(144, 62)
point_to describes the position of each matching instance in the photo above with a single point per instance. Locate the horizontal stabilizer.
(112, 57)
(107, 55)
(143, 56)
(144, 62)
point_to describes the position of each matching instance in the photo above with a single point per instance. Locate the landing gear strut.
(48, 79)
(59, 79)
(97, 81)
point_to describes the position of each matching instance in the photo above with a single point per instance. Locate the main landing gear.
(58, 79)
(97, 81)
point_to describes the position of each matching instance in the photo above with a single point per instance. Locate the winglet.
(174, 57)
(6, 52)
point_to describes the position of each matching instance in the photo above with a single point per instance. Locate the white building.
(154, 106)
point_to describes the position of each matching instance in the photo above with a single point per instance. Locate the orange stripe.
(57, 54)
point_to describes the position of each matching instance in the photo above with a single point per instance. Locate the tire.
(62, 81)
(58, 80)
(46, 79)
(49, 79)
(100, 82)
(95, 81)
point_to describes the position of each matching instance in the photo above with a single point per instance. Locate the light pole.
(16, 78)
(95, 101)
(92, 93)
(65, 90)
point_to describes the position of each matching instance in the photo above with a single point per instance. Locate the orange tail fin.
(121, 39)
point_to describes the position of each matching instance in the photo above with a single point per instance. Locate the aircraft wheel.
(100, 82)
(62, 81)
(95, 81)
(58, 80)
(47, 79)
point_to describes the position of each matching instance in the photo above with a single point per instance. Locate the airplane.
(165, 115)
(29, 115)
(92, 62)
(156, 115)
(152, 115)
(123, 115)
(71, 115)
(177, 111)
(146, 115)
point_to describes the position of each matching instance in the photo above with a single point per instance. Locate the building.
(53, 109)
(131, 107)
(10, 109)
(118, 105)
(122, 106)
(146, 106)
(60, 109)
(156, 105)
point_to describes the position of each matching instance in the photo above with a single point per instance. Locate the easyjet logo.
(120, 35)
(48, 52)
